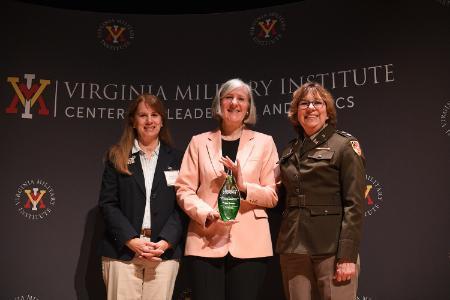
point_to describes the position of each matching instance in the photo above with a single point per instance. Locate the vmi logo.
(27, 94)
(267, 29)
(115, 34)
(374, 195)
(35, 199)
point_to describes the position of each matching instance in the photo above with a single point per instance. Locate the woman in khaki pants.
(143, 239)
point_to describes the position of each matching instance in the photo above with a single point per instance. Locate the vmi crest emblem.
(27, 94)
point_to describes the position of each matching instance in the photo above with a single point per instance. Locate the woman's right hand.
(237, 172)
(212, 217)
(145, 249)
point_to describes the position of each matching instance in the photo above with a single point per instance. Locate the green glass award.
(229, 199)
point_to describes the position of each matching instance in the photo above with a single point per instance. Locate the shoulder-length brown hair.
(118, 154)
(318, 92)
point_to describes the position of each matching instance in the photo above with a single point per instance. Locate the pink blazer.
(199, 183)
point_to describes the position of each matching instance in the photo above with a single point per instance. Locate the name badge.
(171, 176)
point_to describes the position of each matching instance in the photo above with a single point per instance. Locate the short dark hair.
(318, 91)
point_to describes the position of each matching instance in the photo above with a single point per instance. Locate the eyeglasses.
(317, 104)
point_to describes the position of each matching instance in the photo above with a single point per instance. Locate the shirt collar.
(312, 137)
(136, 148)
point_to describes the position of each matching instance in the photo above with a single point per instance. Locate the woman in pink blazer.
(229, 259)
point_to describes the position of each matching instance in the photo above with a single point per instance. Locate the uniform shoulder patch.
(356, 147)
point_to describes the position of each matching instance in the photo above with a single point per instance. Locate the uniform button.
(296, 176)
(326, 212)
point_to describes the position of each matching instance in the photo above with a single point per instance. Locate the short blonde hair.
(225, 88)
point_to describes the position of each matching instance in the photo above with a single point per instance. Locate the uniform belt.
(297, 201)
(147, 232)
(300, 201)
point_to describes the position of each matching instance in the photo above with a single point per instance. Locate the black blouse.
(230, 148)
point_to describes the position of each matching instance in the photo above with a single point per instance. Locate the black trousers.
(227, 278)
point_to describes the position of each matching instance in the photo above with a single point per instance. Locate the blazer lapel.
(136, 170)
(246, 145)
(213, 146)
(161, 165)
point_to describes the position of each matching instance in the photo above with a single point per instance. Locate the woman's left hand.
(344, 271)
(237, 172)
(155, 250)
(163, 245)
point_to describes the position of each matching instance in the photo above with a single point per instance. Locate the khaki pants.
(308, 278)
(139, 278)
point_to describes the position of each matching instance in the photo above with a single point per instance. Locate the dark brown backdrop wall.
(67, 76)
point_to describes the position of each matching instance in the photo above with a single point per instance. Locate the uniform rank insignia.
(356, 147)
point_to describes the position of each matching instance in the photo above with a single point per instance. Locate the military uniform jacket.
(323, 184)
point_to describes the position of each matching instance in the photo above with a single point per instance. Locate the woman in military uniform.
(322, 182)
